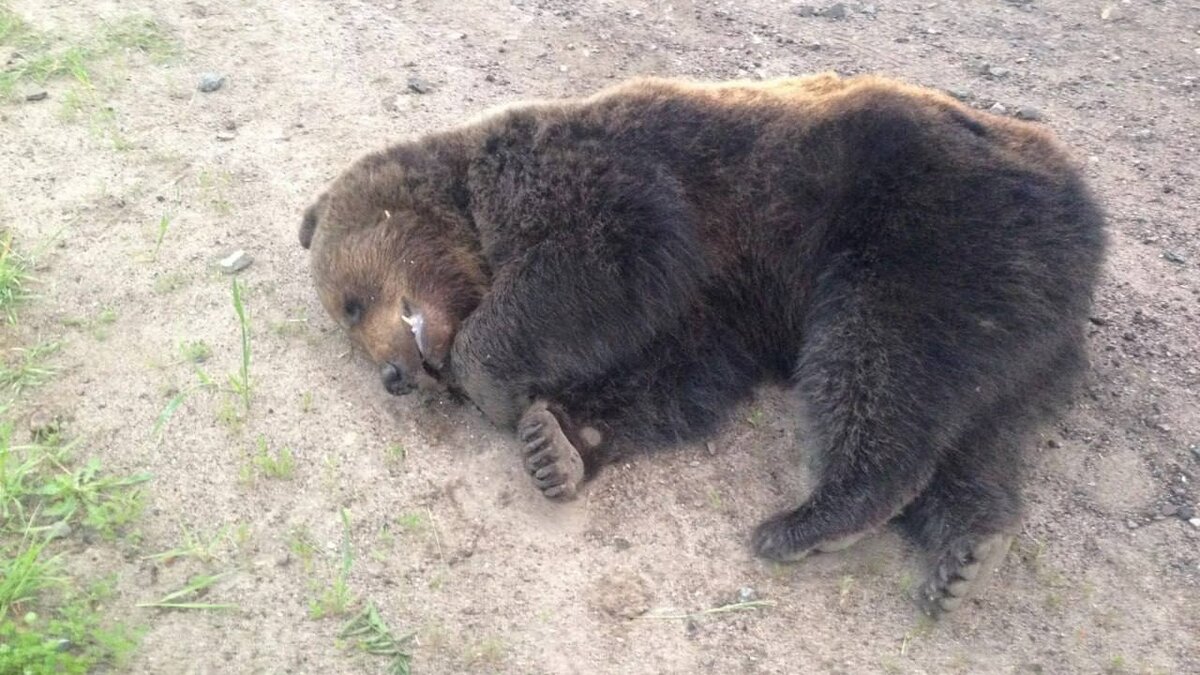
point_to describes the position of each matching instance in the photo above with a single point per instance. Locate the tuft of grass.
(142, 35)
(43, 499)
(169, 283)
(14, 275)
(196, 587)
(12, 26)
(241, 381)
(280, 465)
(336, 599)
(301, 544)
(26, 367)
(195, 351)
(164, 224)
(196, 546)
(413, 522)
(372, 635)
(747, 606)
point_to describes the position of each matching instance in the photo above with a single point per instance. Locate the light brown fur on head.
(393, 266)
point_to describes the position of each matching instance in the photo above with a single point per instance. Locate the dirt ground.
(448, 538)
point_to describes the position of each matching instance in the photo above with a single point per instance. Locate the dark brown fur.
(614, 273)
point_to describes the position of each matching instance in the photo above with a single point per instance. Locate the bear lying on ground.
(614, 273)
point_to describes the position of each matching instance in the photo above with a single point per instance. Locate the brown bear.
(614, 273)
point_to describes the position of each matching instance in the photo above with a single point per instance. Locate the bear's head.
(396, 263)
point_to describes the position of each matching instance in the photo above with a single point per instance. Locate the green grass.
(196, 546)
(195, 351)
(279, 465)
(46, 624)
(186, 597)
(25, 368)
(372, 635)
(336, 599)
(42, 60)
(14, 278)
(241, 381)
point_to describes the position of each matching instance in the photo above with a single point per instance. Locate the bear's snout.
(394, 380)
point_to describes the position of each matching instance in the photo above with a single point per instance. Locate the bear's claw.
(551, 460)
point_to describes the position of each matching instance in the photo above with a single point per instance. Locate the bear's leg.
(965, 522)
(889, 381)
(679, 390)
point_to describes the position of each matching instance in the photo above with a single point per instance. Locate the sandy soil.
(448, 538)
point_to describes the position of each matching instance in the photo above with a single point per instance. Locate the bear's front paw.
(551, 460)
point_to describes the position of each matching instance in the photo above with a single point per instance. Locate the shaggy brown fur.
(615, 273)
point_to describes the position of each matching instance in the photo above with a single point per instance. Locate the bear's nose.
(394, 380)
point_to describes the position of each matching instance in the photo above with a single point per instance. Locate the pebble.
(1195, 522)
(1142, 135)
(419, 85)
(1195, 452)
(998, 109)
(36, 94)
(1169, 509)
(1171, 256)
(747, 594)
(961, 94)
(1187, 512)
(210, 82)
(226, 135)
(1131, 524)
(836, 11)
(1029, 113)
(235, 262)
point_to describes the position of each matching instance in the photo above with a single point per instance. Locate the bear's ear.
(308, 226)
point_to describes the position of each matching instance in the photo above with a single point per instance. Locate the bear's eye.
(353, 310)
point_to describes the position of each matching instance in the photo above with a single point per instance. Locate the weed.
(196, 587)
(747, 606)
(164, 224)
(196, 546)
(306, 402)
(241, 381)
(281, 465)
(336, 599)
(39, 498)
(487, 653)
(195, 351)
(412, 523)
(142, 35)
(28, 368)
(396, 453)
(14, 273)
(756, 417)
(170, 282)
(373, 636)
(300, 543)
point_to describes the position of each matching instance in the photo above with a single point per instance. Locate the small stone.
(1195, 452)
(1112, 13)
(1169, 509)
(998, 109)
(1131, 524)
(44, 424)
(1142, 135)
(1052, 443)
(805, 10)
(711, 447)
(230, 125)
(36, 94)
(1195, 522)
(746, 594)
(226, 135)
(419, 85)
(836, 11)
(996, 71)
(235, 262)
(210, 82)
(621, 543)
(1171, 256)
(961, 94)
(1187, 512)
(1029, 113)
